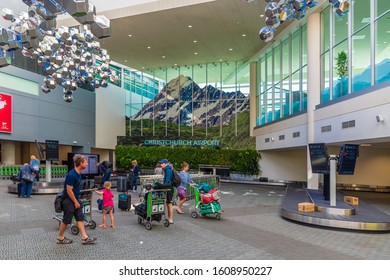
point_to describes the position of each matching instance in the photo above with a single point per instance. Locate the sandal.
(88, 240)
(102, 226)
(179, 212)
(64, 241)
(112, 226)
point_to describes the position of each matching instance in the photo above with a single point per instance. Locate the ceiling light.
(163, 56)
(230, 49)
(125, 60)
(261, 15)
(148, 47)
(130, 35)
(243, 35)
(365, 145)
(195, 41)
(189, 26)
(175, 64)
(221, 60)
(195, 53)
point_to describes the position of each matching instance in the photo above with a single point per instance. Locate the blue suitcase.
(124, 201)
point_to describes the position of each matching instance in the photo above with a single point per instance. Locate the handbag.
(27, 178)
(58, 203)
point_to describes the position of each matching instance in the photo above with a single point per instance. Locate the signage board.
(319, 158)
(5, 113)
(347, 159)
(52, 150)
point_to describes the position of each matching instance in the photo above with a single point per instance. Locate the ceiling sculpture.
(67, 55)
(279, 11)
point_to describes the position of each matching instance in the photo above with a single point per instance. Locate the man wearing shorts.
(71, 203)
(168, 173)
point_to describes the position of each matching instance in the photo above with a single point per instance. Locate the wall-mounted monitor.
(91, 169)
(347, 159)
(319, 158)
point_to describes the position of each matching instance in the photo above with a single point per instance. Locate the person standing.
(186, 181)
(34, 163)
(71, 203)
(135, 168)
(28, 172)
(168, 174)
(108, 204)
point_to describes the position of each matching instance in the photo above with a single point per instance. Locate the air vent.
(348, 124)
(281, 137)
(296, 134)
(326, 128)
(266, 140)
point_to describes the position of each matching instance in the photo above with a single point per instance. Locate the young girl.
(108, 204)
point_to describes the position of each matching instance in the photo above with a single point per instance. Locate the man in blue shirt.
(71, 203)
(168, 173)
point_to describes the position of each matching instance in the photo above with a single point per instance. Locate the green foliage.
(342, 64)
(241, 161)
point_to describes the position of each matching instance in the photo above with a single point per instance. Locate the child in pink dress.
(108, 204)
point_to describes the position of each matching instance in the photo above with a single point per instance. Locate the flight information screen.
(319, 158)
(347, 159)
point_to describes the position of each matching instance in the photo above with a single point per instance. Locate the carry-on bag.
(124, 201)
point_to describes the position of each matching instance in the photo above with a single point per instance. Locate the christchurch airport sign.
(210, 143)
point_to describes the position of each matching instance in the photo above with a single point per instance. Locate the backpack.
(176, 180)
(107, 164)
(58, 203)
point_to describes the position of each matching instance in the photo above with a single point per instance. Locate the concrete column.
(252, 100)
(313, 86)
(8, 151)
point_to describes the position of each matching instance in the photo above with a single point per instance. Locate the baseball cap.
(164, 160)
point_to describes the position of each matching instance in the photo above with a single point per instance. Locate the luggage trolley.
(201, 207)
(154, 208)
(85, 198)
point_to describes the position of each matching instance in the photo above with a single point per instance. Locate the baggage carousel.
(54, 187)
(361, 217)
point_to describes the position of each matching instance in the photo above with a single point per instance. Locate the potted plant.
(342, 70)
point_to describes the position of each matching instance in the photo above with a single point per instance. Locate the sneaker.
(64, 241)
(88, 240)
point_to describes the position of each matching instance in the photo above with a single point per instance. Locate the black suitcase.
(124, 201)
(121, 184)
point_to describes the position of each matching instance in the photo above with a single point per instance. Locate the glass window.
(361, 14)
(340, 28)
(304, 88)
(361, 74)
(304, 45)
(295, 50)
(340, 70)
(263, 100)
(382, 53)
(263, 79)
(277, 63)
(269, 69)
(286, 58)
(325, 90)
(286, 97)
(296, 94)
(19, 84)
(325, 32)
(277, 101)
(269, 106)
(214, 118)
(382, 6)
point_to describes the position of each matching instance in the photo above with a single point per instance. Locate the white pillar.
(313, 86)
(8, 151)
(332, 179)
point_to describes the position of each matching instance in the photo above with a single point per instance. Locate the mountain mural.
(182, 101)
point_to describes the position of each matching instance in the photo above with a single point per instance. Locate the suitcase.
(124, 201)
(121, 184)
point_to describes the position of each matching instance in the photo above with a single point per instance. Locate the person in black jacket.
(104, 169)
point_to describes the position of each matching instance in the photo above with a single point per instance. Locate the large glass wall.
(353, 45)
(283, 75)
(203, 100)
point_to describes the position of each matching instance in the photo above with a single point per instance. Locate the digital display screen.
(52, 150)
(92, 159)
(347, 159)
(319, 158)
